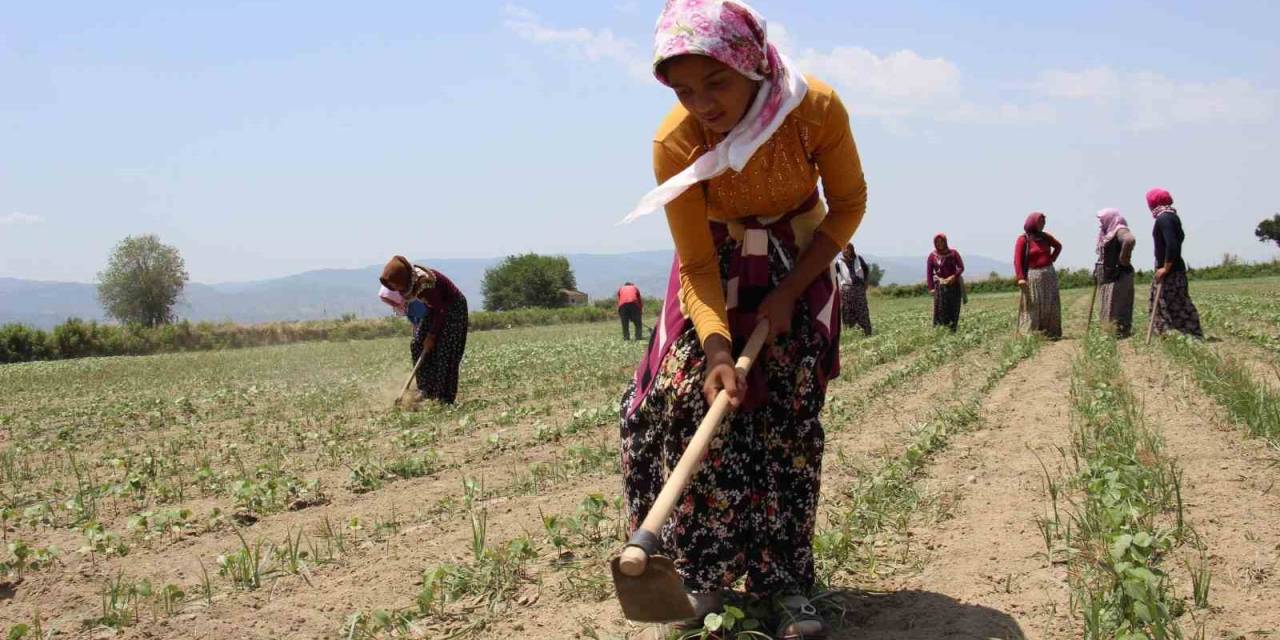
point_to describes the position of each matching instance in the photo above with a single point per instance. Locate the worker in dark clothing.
(1174, 310)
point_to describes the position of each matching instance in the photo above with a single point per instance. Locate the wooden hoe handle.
(413, 374)
(645, 539)
(1155, 308)
(1092, 298)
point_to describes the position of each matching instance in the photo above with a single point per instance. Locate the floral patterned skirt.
(946, 305)
(750, 510)
(1177, 312)
(438, 376)
(853, 306)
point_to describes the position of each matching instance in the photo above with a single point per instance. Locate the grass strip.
(1250, 403)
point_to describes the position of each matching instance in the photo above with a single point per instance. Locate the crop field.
(980, 484)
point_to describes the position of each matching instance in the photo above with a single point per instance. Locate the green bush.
(20, 344)
(76, 338)
(527, 280)
(611, 304)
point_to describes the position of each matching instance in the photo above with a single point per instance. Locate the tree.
(142, 281)
(528, 280)
(1269, 230)
(875, 273)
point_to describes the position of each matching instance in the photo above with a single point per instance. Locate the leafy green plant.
(1118, 587)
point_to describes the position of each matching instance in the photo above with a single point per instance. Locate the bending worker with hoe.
(630, 310)
(441, 337)
(739, 160)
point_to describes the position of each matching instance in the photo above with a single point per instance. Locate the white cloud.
(596, 45)
(17, 218)
(1145, 100)
(902, 76)
(1091, 84)
(903, 85)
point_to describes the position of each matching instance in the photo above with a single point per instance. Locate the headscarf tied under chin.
(947, 251)
(1160, 201)
(1110, 222)
(1034, 224)
(734, 34)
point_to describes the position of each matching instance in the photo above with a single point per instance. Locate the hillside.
(330, 293)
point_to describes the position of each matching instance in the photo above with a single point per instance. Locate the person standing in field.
(851, 273)
(1114, 272)
(630, 310)
(739, 160)
(944, 275)
(1033, 256)
(1176, 310)
(442, 334)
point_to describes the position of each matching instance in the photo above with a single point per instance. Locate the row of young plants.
(1250, 318)
(979, 329)
(262, 465)
(458, 599)
(1122, 509)
(1250, 403)
(250, 566)
(869, 519)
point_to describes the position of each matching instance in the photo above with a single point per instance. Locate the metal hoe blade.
(657, 595)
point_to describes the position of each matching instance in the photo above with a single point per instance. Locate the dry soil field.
(977, 485)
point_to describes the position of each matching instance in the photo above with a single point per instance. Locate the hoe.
(648, 586)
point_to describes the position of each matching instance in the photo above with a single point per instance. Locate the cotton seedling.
(731, 622)
(24, 631)
(100, 541)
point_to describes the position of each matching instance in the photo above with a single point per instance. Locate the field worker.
(1176, 311)
(1114, 272)
(739, 160)
(944, 275)
(442, 334)
(851, 273)
(1034, 253)
(630, 309)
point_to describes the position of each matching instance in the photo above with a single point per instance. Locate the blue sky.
(267, 138)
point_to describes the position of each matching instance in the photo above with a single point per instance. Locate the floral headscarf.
(423, 279)
(1110, 222)
(734, 34)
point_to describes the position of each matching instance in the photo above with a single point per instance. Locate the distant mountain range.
(330, 293)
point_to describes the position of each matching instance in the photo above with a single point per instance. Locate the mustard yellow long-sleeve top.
(813, 142)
